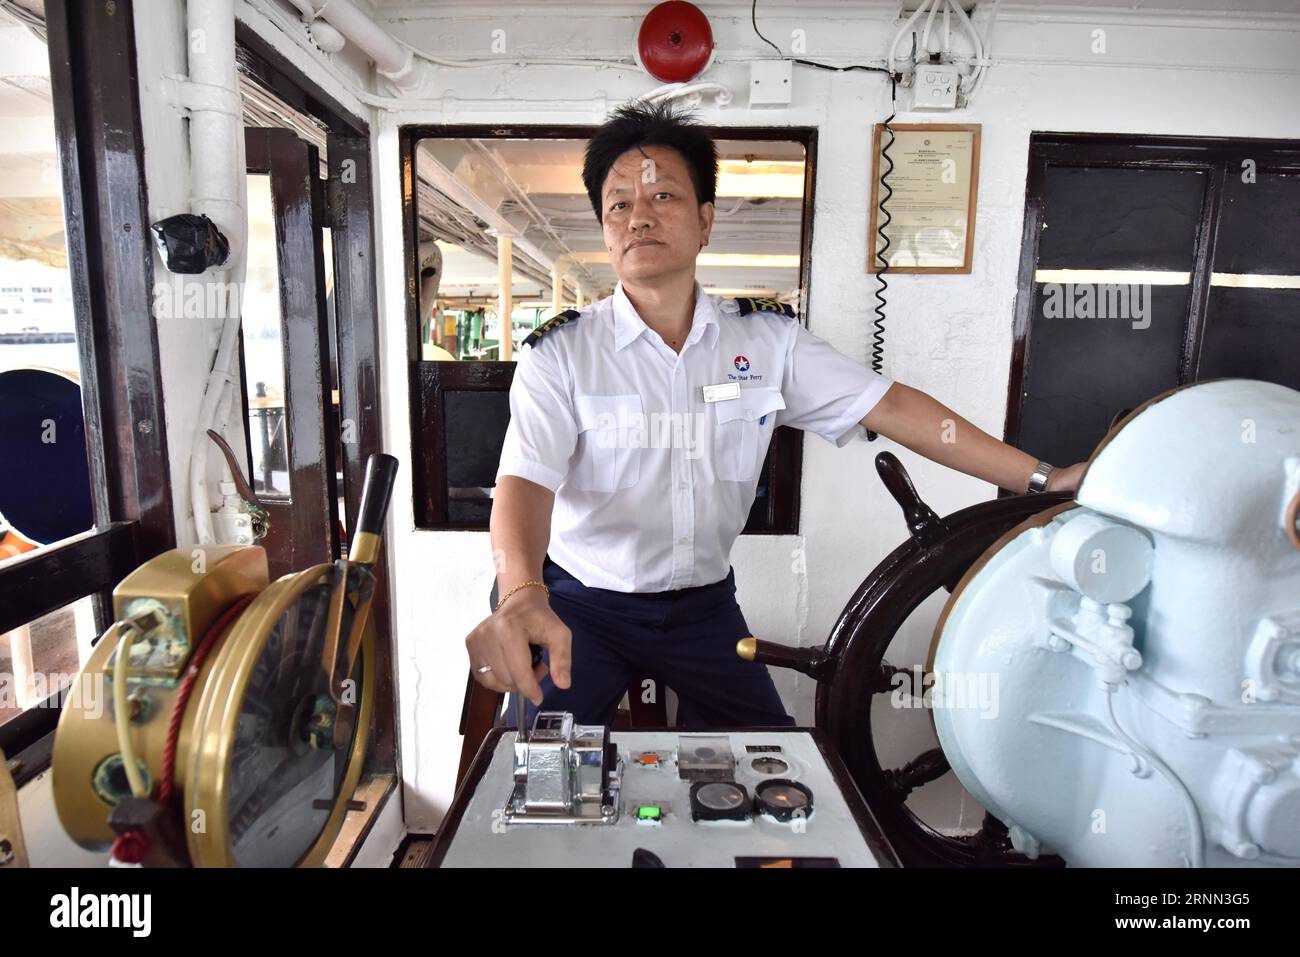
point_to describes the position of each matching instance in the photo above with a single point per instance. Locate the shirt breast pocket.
(740, 429)
(610, 433)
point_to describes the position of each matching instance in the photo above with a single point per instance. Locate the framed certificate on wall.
(927, 224)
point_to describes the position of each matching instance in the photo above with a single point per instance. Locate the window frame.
(1208, 155)
(776, 514)
(348, 207)
(93, 75)
(110, 266)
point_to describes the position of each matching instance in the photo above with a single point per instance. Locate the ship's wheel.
(852, 668)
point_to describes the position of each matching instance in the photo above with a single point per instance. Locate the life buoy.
(45, 479)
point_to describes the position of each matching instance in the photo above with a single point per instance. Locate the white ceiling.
(429, 8)
(1162, 6)
(548, 173)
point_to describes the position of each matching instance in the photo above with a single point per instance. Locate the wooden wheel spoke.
(884, 680)
(921, 770)
(936, 555)
(922, 521)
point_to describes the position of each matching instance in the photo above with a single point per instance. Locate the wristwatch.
(1038, 481)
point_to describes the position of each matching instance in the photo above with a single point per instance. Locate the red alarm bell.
(675, 42)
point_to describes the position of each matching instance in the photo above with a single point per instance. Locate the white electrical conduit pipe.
(217, 184)
(671, 91)
(977, 45)
(392, 60)
(982, 45)
(902, 32)
(929, 23)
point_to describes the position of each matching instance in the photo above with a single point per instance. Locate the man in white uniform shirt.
(638, 428)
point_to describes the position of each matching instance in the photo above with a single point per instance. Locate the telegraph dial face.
(285, 774)
(293, 753)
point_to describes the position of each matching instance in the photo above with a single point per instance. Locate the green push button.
(649, 812)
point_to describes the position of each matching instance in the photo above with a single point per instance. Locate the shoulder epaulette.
(549, 324)
(749, 304)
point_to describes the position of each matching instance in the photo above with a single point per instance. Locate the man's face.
(653, 223)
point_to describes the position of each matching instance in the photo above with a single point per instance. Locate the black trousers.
(685, 639)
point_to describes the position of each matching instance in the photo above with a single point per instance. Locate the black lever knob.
(376, 493)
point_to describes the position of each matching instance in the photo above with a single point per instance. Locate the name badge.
(725, 390)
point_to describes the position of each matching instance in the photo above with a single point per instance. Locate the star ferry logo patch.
(742, 364)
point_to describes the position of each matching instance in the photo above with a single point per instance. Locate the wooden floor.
(415, 851)
(367, 800)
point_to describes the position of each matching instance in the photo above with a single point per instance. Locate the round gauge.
(783, 800)
(721, 797)
(277, 756)
(719, 801)
(766, 764)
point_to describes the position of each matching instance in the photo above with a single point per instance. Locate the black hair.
(641, 124)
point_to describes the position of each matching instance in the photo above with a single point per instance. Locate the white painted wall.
(948, 335)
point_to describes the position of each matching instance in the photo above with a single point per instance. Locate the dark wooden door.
(1149, 263)
(288, 378)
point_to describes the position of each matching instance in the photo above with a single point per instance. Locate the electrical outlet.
(934, 86)
(770, 82)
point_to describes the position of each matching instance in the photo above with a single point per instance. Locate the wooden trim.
(50, 578)
(972, 200)
(373, 793)
(1198, 298)
(464, 793)
(90, 564)
(351, 215)
(778, 512)
(408, 140)
(1215, 157)
(305, 531)
(348, 210)
(28, 743)
(478, 715)
(429, 380)
(1176, 152)
(1031, 228)
(110, 265)
(110, 261)
(807, 221)
(414, 851)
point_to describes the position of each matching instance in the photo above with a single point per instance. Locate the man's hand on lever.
(501, 644)
(499, 652)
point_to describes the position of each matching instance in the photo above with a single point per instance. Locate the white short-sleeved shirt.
(652, 483)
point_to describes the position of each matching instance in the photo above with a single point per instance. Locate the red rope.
(183, 696)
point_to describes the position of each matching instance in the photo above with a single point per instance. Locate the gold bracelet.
(503, 598)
